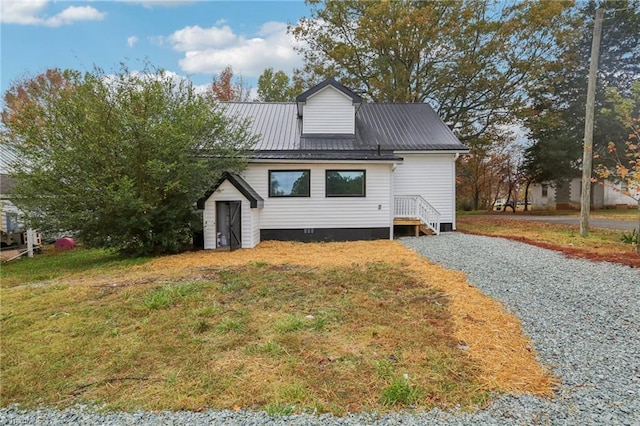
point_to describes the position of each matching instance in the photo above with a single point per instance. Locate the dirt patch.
(490, 335)
(6, 254)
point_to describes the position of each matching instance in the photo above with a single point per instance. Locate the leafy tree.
(625, 167)
(474, 60)
(487, 172)
(120, 159)
(275, 87)
(556, 119)
(225, 88)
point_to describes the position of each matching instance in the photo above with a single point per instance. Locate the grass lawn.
(601, 244)
(53, 264)
(285, 327)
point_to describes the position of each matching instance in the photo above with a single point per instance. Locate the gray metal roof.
(394, 127)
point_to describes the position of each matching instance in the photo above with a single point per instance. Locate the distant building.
(566, 196)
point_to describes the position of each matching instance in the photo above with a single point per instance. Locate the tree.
(120, 159)
(225, 89)
(556, 117)
(275, 87)
(474, 60)
(626, 167)
(487, 172)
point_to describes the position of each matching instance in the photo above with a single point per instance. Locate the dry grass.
(600, 245)
(285, 326)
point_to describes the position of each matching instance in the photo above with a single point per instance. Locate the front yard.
(284, 327)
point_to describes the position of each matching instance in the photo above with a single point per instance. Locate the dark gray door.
(228, 228)
(235, 237)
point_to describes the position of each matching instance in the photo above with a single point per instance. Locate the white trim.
(332, 88)
(306, 161)
(454, 189)
(435, 151)
(392, 195)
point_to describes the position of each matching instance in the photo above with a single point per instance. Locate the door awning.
(255, 200)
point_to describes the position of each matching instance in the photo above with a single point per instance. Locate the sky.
(197, 39)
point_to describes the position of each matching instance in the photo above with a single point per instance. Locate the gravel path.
(583, 318)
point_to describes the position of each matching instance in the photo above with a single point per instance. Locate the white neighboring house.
(608, 194)
(10, 224)
(329, 167)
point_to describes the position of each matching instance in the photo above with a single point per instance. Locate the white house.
(329, 167)
(547, 196)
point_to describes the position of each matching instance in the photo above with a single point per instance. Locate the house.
(10, 226)
(7, 210)
(566, 195)
(329, 167)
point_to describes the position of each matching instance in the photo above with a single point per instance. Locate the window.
(345, 183)
(289, 183)
(545, 190)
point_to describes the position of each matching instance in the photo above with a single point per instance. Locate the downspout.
(454, 226)
(392, 204)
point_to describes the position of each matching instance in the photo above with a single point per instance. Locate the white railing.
(416, 207)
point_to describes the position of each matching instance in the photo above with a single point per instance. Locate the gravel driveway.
(583, 318)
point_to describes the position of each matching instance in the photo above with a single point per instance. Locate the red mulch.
(629, 259)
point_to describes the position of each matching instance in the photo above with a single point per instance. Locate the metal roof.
(384, 127)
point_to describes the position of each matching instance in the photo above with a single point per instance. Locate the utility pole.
(587, 155)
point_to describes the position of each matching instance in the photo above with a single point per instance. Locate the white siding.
(603, 195)
(249, 217)
(613, 197)
(431, 176)
(318, 211)
(10, 224)
(328, 111)
(538, 202)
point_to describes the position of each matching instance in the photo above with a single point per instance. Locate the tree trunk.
(526, 196)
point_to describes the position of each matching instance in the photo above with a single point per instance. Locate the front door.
(228, 232)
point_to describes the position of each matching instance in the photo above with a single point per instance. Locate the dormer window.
(328, 108)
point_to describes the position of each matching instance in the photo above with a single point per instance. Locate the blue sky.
(190, 38)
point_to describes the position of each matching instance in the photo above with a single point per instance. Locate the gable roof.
(392, 127)
(255, 200)
(329, 82)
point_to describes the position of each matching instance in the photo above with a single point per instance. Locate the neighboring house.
(9, 226)
(567, 195)
(329, 167)
(9, 211)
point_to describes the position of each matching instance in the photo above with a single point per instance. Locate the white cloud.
(21, 12)
(31, 13)
(209, 50)
(73, 14)
(131, 41)
(197, 38)
(164, 3)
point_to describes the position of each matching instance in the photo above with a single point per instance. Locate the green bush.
(629, 237)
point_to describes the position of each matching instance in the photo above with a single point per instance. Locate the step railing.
(416, 207)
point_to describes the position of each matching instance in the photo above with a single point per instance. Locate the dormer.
(328, 108)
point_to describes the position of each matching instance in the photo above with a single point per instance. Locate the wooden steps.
(417, 224)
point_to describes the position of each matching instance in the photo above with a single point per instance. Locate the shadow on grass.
(54, 264)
